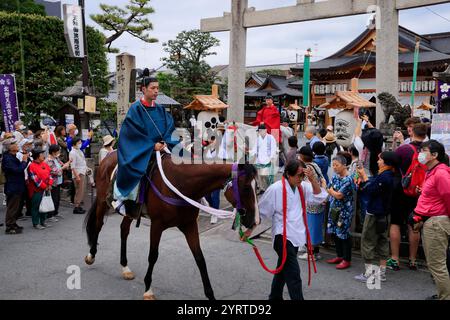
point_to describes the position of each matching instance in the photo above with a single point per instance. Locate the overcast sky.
(266, 45)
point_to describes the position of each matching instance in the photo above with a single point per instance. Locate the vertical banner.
(306, 78)
(306, 82)
(73, 30)
(440, 129)
(416, 64)
(125, 63)
(8, 101)
(443, 93)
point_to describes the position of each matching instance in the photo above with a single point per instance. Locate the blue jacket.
(322, 162)
(379, 192)
(14, 173)
(142, 128)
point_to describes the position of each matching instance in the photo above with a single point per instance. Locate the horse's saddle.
(134, 209)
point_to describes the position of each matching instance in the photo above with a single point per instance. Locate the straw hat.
(330, 137)
(107, 140)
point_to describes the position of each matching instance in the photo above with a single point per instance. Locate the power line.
(437, 14)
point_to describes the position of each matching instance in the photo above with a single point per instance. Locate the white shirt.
(271, 206)
(265, 149)
(18, 136)
(102, 154)
(286, 133)
(226, 149)
(78, 161)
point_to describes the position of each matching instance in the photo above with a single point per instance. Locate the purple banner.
(8, 101)
(443, 93)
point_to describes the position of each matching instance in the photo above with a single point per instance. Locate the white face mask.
(76, 132)
(422, 158)
(78, 146)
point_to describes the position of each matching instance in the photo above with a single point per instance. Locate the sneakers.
(393, 264)
(343, 265)
(79, 210)
(53, 219)
(38, 227)
(412, 265)
(382, 274)
(46, 225)
(335, 260)
(363, 277)
(13, 230)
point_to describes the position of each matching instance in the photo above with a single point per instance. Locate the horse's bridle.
(235, 174)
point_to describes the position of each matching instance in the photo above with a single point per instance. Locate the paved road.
(33, 266)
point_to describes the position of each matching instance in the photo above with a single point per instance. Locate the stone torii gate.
(242, 17)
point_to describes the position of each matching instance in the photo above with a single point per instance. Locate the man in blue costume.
(147, 128)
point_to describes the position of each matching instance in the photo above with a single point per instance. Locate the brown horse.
(194, 181)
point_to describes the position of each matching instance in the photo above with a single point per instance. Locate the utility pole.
(85, 77)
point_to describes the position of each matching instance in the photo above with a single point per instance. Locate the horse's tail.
(90, 223)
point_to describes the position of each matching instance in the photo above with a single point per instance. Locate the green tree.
(26, 7)
(187, 55)
(131, 20)
(273, 72)
(48, 67)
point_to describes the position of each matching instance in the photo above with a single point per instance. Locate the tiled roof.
(206, 103)
(348, 100)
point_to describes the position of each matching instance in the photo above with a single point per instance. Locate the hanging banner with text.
(440, 129)
(73, 30)
(8, 101)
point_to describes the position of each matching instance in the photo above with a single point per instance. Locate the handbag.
(335, 213)
(46, 203)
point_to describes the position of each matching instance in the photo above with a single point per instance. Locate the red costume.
(271, 118)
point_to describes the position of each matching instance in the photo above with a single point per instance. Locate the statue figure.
(389, 105)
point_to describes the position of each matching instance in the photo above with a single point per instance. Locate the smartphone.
(360, 165)
(398, 129)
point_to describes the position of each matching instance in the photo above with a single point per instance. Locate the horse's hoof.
(148, 296)
(89, 259)
(128, 275)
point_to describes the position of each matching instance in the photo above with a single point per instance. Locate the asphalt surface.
(34, 266)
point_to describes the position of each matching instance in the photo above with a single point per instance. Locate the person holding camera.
(433, 214)
(374, 238)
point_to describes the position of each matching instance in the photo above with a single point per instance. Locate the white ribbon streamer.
(216, 212)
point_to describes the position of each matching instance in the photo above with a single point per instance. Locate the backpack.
(414, 176)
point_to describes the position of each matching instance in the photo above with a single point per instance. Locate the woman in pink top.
(433, 211)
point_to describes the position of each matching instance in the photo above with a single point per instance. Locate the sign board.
(80, 104)
(89, 104)
(70, 119)
(125, 63)
(73, 30)
(440, 129)
(8, 101)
